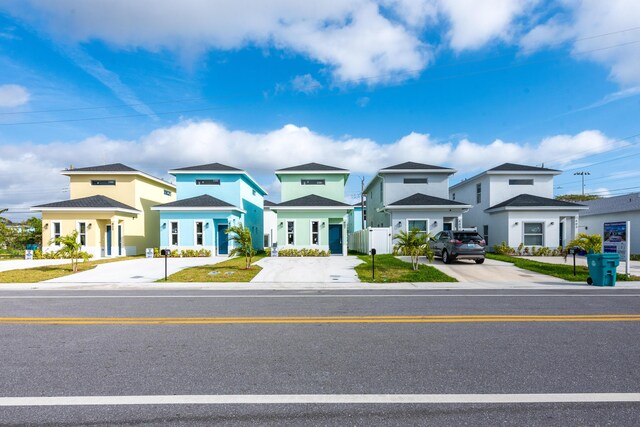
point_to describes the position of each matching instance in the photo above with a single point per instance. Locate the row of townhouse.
(118, 210)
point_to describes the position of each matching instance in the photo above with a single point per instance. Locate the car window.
(468, 237)
(444, 236)
(437, 236)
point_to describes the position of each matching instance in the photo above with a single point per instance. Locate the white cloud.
(305, 84)
(196, 142)
(13, 96)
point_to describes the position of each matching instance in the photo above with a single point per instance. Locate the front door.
(223, 240)
(446, 226)
(335, 239)
(119, 239)
(108, 240)
(561, 237)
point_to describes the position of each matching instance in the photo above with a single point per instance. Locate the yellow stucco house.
(109, 206)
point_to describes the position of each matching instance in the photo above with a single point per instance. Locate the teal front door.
(108, 240)
(223, 240)
(335, 239)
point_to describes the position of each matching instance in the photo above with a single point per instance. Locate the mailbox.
(165, 252)
(373, 251)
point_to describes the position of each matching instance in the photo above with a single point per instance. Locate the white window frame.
(311, 231)
(53, 231)
(171, 233)
(195, 232)
(80, 234)
(542, 225)
(286, 231)
(417, 219)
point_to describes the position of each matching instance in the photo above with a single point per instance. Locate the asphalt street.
(302, 353)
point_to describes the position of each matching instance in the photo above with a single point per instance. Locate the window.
(312, 181)
(103, 182)
(174, 233)
(478, 193)
(56, 229)
(533, 234)
(207, 182)
(453, 196)
(167, 192)
(253, 192)
(82, 233)
(315, 232)
(290, 233)
(521, 182)
(416, 180)
(381, 191)
(420, 224)
(485, 232)
(199, 233)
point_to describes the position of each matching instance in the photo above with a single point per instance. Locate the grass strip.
(48, 272)
(232, 270)
(561, 271)
(391, 269)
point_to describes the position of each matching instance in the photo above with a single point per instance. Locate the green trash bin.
(602, 268)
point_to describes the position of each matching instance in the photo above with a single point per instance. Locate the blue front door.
(335, 239)
(223, 240)
(108, 240)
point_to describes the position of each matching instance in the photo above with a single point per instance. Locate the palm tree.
(71, 248)
(413, 243)
(241, 236)
(592, 243)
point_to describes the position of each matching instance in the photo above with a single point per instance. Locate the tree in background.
(413, 243)
(578, 197)
(241, 236)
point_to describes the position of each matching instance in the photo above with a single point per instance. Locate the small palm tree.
(71, 248)
(413, 243)
(241, 236)
(592, 243)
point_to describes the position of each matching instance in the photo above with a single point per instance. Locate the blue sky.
(360, 84)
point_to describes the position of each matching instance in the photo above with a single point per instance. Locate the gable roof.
(209, 167)
(415, 167)
(624, 203)
(98, 202)
(313, 201)
(269, 203)
(423, 200)
(115, 169)
(513, 167)
(529, 201)
(203, 202)
(312, 167)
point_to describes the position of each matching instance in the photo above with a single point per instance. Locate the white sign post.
(617, 239)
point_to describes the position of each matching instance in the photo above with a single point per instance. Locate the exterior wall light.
(551, 223)
(399, 224)
(89, 226)
(515, 223)
(435, 223)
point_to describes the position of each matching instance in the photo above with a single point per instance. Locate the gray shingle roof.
(210, 167)
(312, 200)
(513, 167)
(270, 203)
(311, 167)
(528, 200)
(98, 201)
(114, 167)
(413, 165)
(204, 201)
(420, 199)
(625, 203)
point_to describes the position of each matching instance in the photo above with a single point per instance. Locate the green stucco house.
(312, 213)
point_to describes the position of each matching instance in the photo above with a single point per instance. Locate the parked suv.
(452, 245)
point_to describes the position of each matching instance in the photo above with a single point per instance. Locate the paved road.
(295, 357)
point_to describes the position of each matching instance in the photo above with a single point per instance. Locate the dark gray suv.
(452, 245)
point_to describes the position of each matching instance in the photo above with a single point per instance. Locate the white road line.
(322, 296)
(280, 399)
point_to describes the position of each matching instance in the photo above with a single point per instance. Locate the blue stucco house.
(211, 198)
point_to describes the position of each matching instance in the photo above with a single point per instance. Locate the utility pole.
(362, 200)
(582, 174)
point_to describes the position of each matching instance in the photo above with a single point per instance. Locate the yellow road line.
(314, 319)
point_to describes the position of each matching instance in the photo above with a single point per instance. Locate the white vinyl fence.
(373, 237)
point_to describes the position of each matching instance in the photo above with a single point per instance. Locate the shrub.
(267, 251)
(504, 249)
(304, 252)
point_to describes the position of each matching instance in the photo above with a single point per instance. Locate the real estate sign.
(616, 239)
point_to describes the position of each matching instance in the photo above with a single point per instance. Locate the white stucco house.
(514, 203)
(613, 209)
(413, 195)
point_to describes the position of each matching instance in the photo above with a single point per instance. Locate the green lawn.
(232, 270)
(562, 271)
(40, 274)
(391, 269)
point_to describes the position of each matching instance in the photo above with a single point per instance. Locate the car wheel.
(480, 261)
(445, 257)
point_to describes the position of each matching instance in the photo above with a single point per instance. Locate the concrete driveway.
(135, 270)
(17, 264)
(490, 271)
(307, 270)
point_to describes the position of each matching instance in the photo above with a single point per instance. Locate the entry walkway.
(333, 269)
(135, 270)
